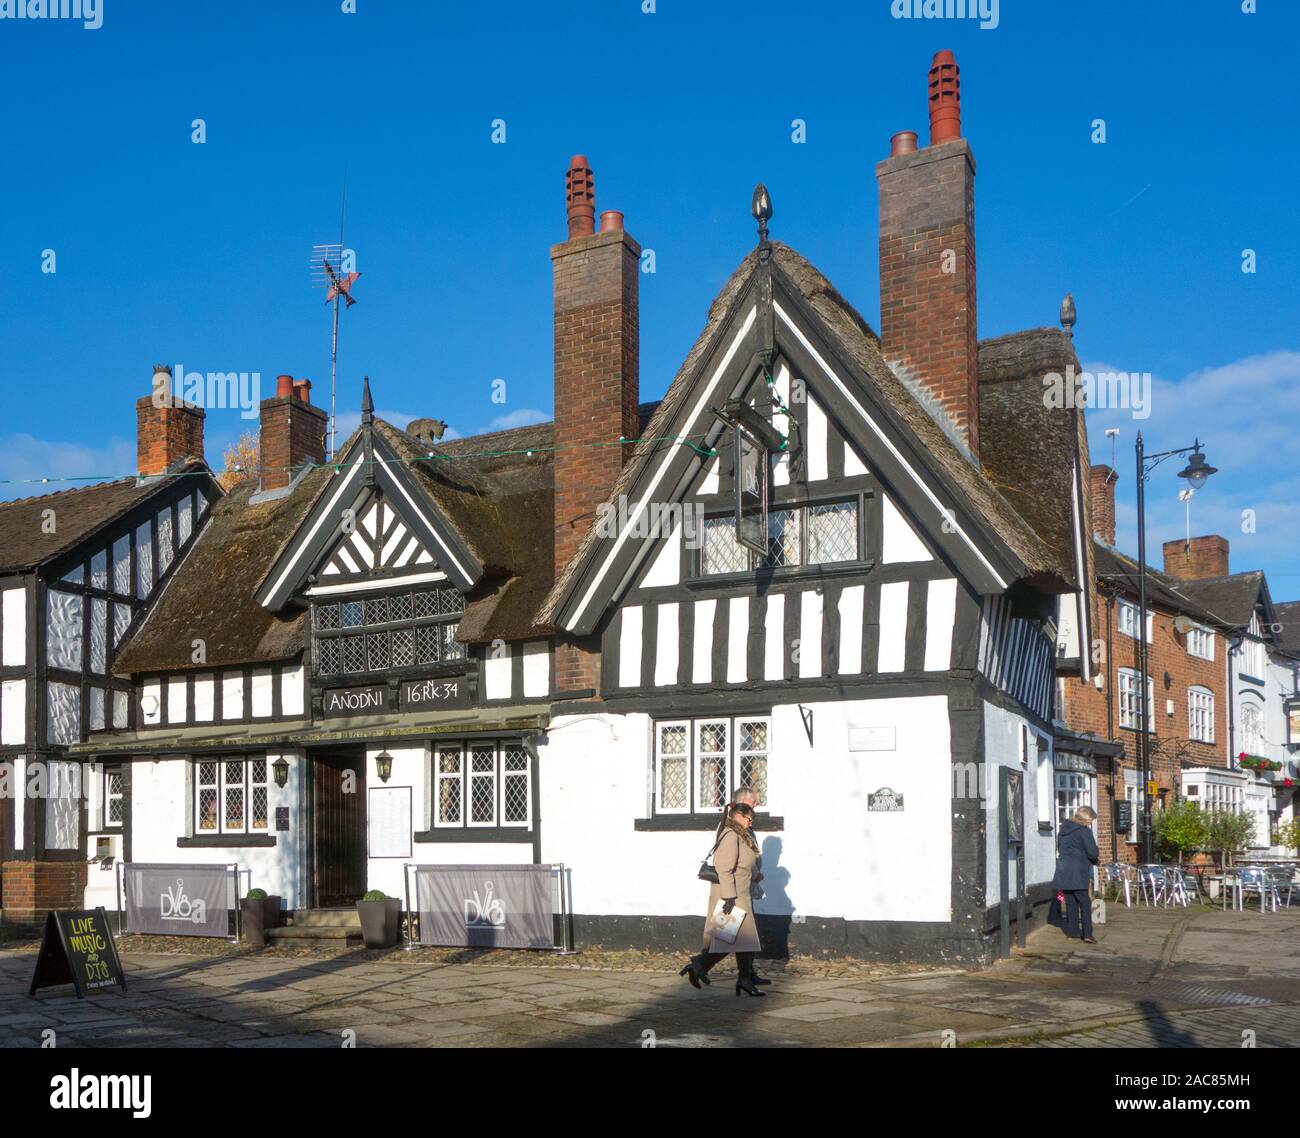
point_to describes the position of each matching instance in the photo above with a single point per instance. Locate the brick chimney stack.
(1102, 479)
(1197, 559)
(168, 429)
(927, 260)
(292, 432)
(596, 378)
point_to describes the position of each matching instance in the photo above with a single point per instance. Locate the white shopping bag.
(726, 926)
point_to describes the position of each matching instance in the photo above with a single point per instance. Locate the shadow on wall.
(774, 926)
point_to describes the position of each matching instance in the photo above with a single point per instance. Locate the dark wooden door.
(339, 828)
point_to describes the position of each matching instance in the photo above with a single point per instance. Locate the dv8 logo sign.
(486, 912)
(175, 906)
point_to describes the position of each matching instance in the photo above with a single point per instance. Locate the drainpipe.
(1110, 716)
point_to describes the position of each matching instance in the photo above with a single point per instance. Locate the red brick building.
(1185, 681)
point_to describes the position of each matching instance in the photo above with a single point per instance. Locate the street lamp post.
(1196, 472)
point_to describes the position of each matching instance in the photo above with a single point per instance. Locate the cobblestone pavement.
(1163, 978)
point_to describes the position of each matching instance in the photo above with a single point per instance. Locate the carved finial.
(367, 404)
(761, 208)
(1068, 315)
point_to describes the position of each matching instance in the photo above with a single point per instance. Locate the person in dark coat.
(1076, 854)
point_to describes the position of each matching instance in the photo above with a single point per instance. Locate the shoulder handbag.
(708, 872)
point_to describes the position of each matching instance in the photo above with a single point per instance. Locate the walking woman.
(1076, 854)
(734, 859)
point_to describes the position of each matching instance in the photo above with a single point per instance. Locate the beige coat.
(735, 862)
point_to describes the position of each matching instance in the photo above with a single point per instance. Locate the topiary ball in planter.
(259, 912)
(381, 919)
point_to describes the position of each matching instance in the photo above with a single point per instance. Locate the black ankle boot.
(746, 984)
(760, 979)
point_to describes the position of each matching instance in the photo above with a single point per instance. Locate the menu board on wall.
(389, 822)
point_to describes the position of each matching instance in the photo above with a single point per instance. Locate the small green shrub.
(257, 894)
(375, 895)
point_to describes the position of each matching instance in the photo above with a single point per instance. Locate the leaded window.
(701, 764)
(381, 634)
(231, 796)
(821, 534)
(482, 783)
(114, 796)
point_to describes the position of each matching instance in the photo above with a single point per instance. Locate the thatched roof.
(861, 346)
(79, 513)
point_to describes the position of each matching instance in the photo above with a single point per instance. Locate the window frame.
(499, 776)
(248, 786)
(108, 774)
(1198, 633)
(1082, 794)
(1198, 693)
(1136, 725)
(803, 508)
(1129, 608)
(386, 629)
(733, 757)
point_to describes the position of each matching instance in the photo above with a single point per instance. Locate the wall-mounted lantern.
(384, 765)
(280, 768)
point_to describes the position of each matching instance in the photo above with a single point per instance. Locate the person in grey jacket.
(1076, 854)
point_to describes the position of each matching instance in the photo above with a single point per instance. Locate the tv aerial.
(328, 272)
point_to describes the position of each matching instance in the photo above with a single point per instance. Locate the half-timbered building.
(565, 644)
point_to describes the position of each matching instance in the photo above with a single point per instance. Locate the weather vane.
(324, 259)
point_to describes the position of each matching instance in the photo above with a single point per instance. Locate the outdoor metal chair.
(1154, 884)
(1281, 879)
(1175, 886)
(1121, 877)
(1255, 879)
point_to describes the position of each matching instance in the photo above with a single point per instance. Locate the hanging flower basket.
(1257, 763)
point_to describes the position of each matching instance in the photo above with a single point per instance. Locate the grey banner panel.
(177, 900)
(495, 906)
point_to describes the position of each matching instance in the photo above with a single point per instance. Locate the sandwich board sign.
(78, 949)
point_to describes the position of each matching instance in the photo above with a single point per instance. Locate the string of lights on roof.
(339, 467)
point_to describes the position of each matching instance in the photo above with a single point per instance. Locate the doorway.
(338, 827)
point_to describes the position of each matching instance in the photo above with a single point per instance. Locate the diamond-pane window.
(354, 653)
(258, 819)
(327, 656)
(426, 603)
(833, 533)
(350, 614)
(234, 807)
(400, 607)
(452, 649)
(114, 787)
(376, 609)
(672, 740)
(482, 785)
(782, 539)
(327, 616)
(207, 812)
(672, 784)
(428, 641)
(207, 774)
(722, 553)
(449, 787)
(235, 773)
(711, 751)
(377, 650)
(751, 756)
(258, 773)
(450, 602)
(403, 647)
(514, 790)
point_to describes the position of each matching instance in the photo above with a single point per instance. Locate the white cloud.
(67, 465)
(1243, 413)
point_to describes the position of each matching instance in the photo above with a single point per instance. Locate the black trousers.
(1078, 913)
(744, 961)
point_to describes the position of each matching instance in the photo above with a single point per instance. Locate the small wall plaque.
(873, 738)
(282, 819)
(885, 799)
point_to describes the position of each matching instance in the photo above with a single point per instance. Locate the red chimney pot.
(611, 221)
(302, 389)
(283, 386)
(945, 98)
(904, 142)
(580, 197)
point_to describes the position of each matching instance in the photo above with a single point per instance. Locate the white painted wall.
(13, 614)
(1004, 732)
(900, 540)
(834, 859)
(13, 712)
(161, 812)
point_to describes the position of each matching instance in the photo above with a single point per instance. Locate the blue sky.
(177, 252)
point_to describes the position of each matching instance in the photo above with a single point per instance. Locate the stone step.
(315, 936)
(322, 918)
